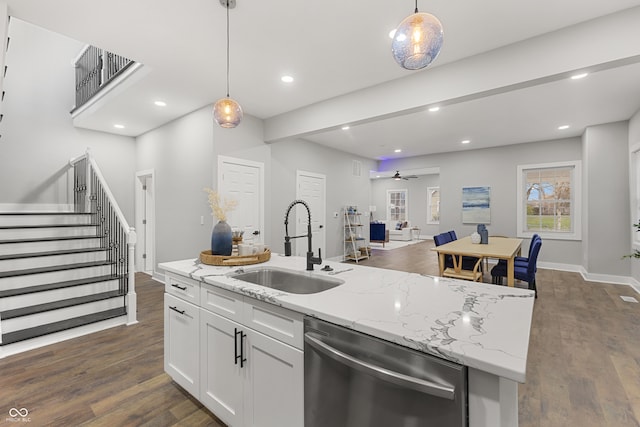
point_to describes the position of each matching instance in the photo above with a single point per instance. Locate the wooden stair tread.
(57, 285)
(62, 325)
(54, 305)
(50, 253)
(54, 268)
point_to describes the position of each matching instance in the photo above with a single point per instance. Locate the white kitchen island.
(482, 326)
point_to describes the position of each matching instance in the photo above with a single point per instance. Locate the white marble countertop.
(479, 325)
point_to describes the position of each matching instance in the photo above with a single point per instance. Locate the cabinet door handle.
(179, 287)
(176, 310)
(236, 332)
(240, 356)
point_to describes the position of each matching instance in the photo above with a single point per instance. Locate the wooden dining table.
(506, 248)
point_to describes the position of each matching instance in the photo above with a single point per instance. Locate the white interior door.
(145, 220)
(243, 180)
(311, 188)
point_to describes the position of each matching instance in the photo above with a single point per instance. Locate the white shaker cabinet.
(247, 377)
(181, 343)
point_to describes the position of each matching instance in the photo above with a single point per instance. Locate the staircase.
(64, 274)
(54, 275)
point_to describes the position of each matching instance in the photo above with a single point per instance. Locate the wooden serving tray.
(207, 258)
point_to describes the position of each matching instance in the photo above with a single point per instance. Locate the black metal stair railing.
(110, 231)
(92, 195)
(95, 68)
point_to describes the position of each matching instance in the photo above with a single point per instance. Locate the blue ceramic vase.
(221, 239)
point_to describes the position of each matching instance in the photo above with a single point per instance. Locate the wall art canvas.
(475, 205)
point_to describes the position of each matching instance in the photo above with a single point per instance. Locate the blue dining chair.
(522, 271)
(468, 262)
(441, 239)
(523, 260)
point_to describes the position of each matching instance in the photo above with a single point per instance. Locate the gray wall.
(181, 155)
(605, 205)
(246, 142)
(342, 188)
(184, 155)
(496, 168)
(417, 194)
(38, 137)
(634, 140)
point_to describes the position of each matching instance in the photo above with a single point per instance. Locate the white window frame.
(430, 191)
(406, 203)
(576, 202)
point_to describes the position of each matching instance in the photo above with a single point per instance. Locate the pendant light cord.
(228, 47)
(416, 7)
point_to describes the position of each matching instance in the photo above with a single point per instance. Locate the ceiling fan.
(398, 177)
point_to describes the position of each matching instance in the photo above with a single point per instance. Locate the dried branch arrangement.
(219, 208)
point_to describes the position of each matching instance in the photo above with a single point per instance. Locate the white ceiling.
(338, 48)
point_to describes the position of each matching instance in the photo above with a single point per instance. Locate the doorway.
(243, 181)
(311, 188)
(145, 221)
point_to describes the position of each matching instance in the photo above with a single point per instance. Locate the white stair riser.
(32, 233)
(50, 261)
(27, 300)
(53, 277)
(25, 322)
(54, 245)
(12, 220)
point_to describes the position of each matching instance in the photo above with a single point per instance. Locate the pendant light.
(226, 111)
(417, 40)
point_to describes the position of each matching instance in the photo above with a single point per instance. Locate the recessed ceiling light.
(345, 127)
(392, 33)
(286, 79)
(118, 126)
(160, 103)
(563, 127)
(434, 109)
(465, 141)
(579, 76)
(397, 150)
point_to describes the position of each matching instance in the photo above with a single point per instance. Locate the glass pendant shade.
(227, 113)
(417, 41)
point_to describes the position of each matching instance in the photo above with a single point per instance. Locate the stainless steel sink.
(287, 280)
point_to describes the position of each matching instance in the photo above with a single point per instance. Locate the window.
(433, 205)
(397, 205)
(549, 200)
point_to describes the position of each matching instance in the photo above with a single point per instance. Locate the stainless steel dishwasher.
(356, 380)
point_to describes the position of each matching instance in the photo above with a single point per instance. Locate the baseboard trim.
(31, 344)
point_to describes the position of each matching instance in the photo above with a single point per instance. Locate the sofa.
(404, 233)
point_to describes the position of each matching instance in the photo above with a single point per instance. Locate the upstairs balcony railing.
(95, 68)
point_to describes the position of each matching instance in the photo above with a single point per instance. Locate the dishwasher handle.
(379, 372)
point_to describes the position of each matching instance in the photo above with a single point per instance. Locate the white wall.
(38, 137)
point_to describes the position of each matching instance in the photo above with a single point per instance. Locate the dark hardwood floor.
(583, 368)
